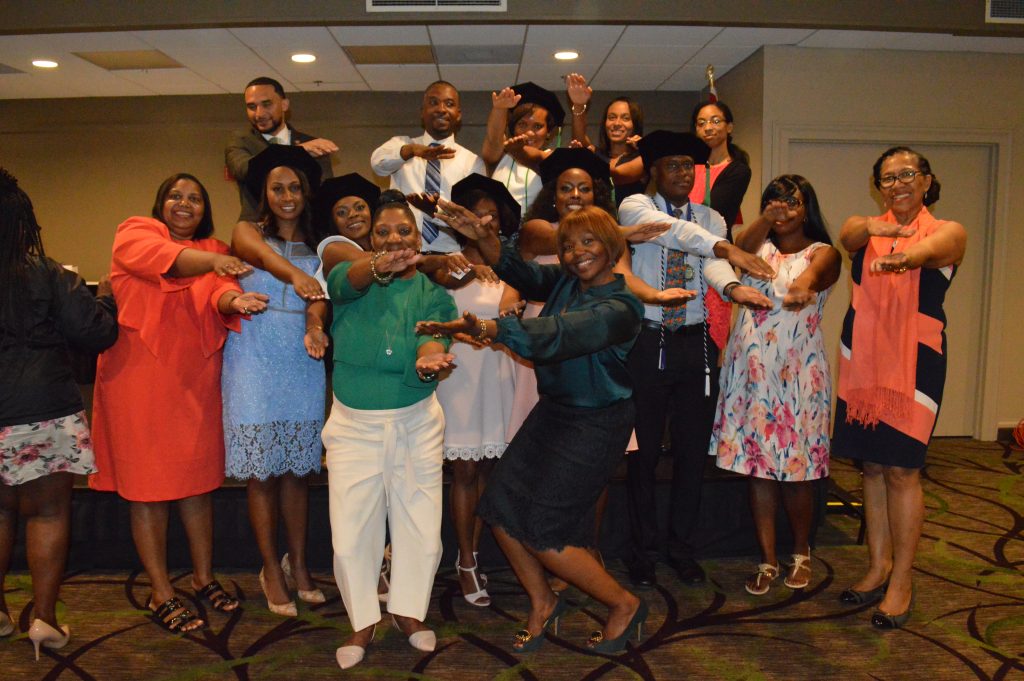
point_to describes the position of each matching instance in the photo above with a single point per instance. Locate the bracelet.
(578, 113)
(483, 328)
(314, 326)
(383, 281)
(428, 377)
(727, 291)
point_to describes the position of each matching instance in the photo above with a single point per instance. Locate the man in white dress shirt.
(430, 163)
(674, 363)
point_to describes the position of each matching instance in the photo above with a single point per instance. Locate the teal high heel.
(525, 642)
(609, 646)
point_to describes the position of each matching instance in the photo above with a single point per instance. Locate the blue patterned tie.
(432, 185)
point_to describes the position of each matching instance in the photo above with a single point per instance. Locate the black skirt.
(544, 488)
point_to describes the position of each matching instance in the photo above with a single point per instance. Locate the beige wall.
(931, 96)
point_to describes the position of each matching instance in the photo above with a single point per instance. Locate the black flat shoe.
(853, 597)
(886, 622)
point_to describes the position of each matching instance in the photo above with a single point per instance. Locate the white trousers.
(385, 465)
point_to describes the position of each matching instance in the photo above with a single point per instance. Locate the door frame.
(985, 418)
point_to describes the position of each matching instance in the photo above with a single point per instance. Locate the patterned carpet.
(968, 620)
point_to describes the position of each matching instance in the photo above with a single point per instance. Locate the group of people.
(528, 314)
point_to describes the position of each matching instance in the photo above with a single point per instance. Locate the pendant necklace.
(387, 339)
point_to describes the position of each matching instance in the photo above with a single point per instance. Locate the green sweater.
(375, 342)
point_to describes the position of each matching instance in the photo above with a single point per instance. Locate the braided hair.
(20, 241)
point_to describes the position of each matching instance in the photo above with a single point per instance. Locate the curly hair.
(20, 240)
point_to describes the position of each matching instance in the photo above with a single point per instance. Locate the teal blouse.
(579, 342)
(375, 341)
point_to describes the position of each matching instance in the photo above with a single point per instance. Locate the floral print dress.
(772, 419)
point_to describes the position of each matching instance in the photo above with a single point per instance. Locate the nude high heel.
(312, 596)
(284, 609)
(425, 639)
(350, 656)
(42, 634)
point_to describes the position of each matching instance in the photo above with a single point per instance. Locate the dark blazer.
(728, 190)
(243, 146)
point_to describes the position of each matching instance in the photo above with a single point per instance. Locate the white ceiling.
(222, 60)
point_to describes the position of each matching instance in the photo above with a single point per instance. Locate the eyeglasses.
(904, 176)
(714, 120)
(791, 201)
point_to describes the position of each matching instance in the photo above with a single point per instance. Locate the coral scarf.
(883, 352)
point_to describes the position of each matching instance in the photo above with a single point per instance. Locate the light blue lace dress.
(273, 391)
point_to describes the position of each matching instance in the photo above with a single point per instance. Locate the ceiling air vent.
(436, 5)
(1004, 11)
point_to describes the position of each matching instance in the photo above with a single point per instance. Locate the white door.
(841, 175)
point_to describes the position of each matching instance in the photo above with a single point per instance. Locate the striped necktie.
(676, 270)
(432, 185)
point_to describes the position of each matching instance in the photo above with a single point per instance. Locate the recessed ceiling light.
(44, 63)
(303, 58)
(567, 55)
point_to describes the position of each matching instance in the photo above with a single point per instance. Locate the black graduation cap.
(564, 158)
(336, 188)
(661, 143)
(492, 188)
(275, 156)
(531, 93)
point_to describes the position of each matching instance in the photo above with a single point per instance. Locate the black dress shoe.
(688, 570)
(641, 572)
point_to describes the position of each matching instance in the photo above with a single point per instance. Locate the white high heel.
(350, 656)
(6, 625)
(424, 640)
(42, 634)
(480, 598)
(311, 596)
(284, 609)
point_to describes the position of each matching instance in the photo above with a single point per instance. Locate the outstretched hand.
(315, 341)
(674, 296)
(423, 201)
(397, 261)
(878, 227)
(307, 287)
(748, 296)
(895, 263)
(230, 266)
(645, 231)
(463, 220)
(249, 303)
(797, 298)
(750, 263)
(777, 211)
(428, 366)
(467, 324)
(577, 89)
(505, 99)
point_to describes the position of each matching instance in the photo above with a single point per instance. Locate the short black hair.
(266, 80)
(932, 195)
(205, 228)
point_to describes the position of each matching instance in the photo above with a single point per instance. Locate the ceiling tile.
(326, 86)
(488, 78)
(999, 45)
(688, 78)
(632, 76)
(202, 38)
(756, 37)
(171, 82)
(668, 35)
(399, 77)
(478, 54)
(721, 57)
(589, 54)
(277, 45)
(651, 54)
(380, 35)
(552, 76)
(477, 35)
(574, 37)
(216, 54)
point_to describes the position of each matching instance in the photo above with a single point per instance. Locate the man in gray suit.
(266, 106)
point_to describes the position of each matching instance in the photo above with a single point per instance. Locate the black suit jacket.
(243, 146)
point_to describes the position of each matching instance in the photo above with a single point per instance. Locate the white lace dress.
(477, 397)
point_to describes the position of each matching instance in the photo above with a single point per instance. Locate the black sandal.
(174, 624)
(217, 597)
